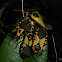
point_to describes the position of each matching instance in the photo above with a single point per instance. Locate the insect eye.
(29, 37)
(37, 47)
(35, 14)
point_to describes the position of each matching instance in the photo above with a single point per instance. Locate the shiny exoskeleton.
(33, 40)
(22, 25)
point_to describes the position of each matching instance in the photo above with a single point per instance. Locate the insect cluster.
(35, 34)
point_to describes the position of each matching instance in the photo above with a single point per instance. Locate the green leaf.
(9, 52)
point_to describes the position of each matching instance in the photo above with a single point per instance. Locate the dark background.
(51, 10)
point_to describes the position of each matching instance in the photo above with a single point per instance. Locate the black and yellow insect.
(33, 41)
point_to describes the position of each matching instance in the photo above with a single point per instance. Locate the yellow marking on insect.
(46, 28)
(36, 41)
(36, 32)
(38, 29)
(45, 39)
(21, 48)
(30, 43)
(31, 28)
(46, 35)
(26, 41)
(26, 27)
(20, 22)
(33, 37)
(42, 41)
(24, 45)
(15, 36)
(18, 34)
(38, 19)
(17, 27)
(20, 51)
